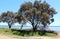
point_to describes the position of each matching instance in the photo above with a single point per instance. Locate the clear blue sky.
(13, 5)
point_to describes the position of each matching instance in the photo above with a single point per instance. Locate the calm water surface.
(55, 28)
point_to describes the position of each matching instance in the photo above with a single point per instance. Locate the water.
(16, 27)
(55, 28)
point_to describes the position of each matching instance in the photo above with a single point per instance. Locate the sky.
(14, 5)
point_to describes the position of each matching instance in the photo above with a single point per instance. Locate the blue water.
(55, 28)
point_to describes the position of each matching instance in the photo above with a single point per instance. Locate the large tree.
(8, 17)
(36, 13)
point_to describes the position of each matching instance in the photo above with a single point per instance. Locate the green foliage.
(50, 34)
(8, 17)
(36, 13)
(25, 32)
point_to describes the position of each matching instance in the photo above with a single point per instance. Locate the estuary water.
(55, 28)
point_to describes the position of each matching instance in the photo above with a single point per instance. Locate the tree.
(36, 13)
(8, 17)
(21, 19)
(0, 18)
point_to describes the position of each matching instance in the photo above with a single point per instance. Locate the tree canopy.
(36, 13)
(8, 17)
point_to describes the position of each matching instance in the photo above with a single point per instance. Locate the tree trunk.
(9, 26)
(44, 27)
(21, 26)
(34, 27)
(44, 31)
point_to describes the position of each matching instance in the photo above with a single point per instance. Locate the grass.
(25, 32)
(50, 34)
(5, 31)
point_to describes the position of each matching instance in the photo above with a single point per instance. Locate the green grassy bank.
(25, 32)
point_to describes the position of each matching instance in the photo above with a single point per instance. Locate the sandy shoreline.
(2, 36)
